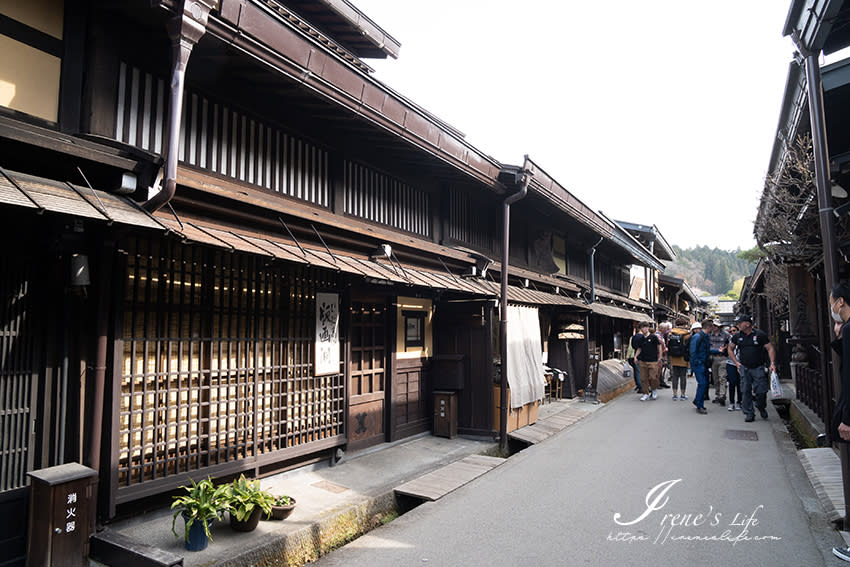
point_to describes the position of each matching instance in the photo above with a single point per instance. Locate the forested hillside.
(708, 269)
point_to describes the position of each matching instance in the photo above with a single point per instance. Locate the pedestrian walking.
(718, 339)
(753, 350)
(630, 356)
(662, 332)
(648, 356)
(677, 346)
(839, 309)
(698, 349)
(733, 379)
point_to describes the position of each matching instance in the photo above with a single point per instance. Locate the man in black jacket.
(752, 346)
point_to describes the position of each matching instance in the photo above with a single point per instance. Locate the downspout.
(185, 29)
(827, 230)
(654, 299)
(591, 253)
(524, 179)
(101, 332)
(821, 159)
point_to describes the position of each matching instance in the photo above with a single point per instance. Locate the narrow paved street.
(635, 483)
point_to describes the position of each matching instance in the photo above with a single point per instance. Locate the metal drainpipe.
(503, 307)
(101, 332)
(591, 255)
(821, 158)
(827, 230)
(63, 383)
(650, 291)
(185, 29)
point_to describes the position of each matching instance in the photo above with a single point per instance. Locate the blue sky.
(656, 112)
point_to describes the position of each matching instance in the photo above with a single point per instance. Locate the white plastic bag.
(775, 386)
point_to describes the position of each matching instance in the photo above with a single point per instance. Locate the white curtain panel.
(525, 356)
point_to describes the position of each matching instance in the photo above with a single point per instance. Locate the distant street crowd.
(736, 359)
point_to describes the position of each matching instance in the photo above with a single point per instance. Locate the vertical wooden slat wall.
(219, 139)
(377, 197)
(471, 221)
(218, 364)
(18, 375)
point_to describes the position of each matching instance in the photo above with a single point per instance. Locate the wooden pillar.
(801, 298)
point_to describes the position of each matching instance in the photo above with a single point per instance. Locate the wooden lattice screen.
(18, 376)
(218, 138)
(218, 363)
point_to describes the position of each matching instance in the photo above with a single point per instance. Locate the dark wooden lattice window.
(472, 221)
(377, 197)
(19, 322)
(216, 137)
(218, 363)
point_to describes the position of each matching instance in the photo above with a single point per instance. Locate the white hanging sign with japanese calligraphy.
(327, 333)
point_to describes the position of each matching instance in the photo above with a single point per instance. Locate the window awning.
(618, 312)
(41, 194)
(46, 195)
(532, 296)
(204, 231)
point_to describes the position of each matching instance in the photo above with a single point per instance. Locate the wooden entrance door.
(411, 395)
(367, 373)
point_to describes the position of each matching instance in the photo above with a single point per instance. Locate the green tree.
(752, 255)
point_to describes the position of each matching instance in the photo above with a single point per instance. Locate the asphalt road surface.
(635, 483)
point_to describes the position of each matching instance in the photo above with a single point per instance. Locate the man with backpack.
(698, 349)
(718, 341)
(677, 350)
(662, 332)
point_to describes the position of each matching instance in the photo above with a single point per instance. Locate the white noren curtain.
(525, 355)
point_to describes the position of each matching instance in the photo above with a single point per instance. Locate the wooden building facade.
(231, 249)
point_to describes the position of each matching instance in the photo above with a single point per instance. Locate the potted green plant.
(246, 502)
(202, 503)
(282, 507)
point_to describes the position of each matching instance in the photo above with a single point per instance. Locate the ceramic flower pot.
(283, 511)
(196, 538)
(247, 525)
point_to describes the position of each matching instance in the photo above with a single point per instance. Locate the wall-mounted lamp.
(482, 264)
(383, 250)
(128, 184)
(80, 270)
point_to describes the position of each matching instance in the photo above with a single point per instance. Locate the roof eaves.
(626, 240)
(328, 75)
(380, 38)
(543, 184)
(812, 21)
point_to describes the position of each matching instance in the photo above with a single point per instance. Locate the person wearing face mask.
(839, 307)
(751, 349)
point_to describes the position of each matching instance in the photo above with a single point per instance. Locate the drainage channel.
(783, 409)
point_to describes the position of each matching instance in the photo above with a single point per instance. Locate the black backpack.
(676, 344)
